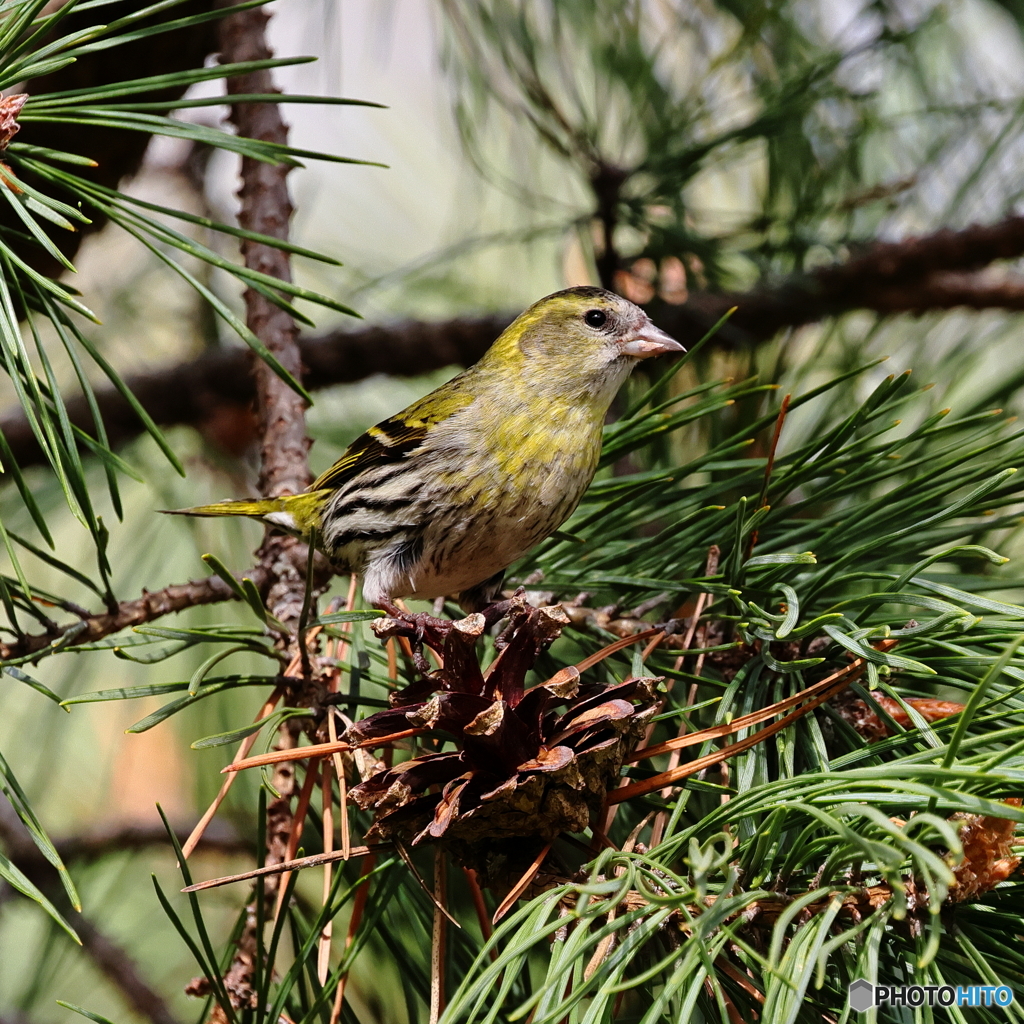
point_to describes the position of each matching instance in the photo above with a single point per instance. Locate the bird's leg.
(420, 628)
(425, 626)
(391, 608)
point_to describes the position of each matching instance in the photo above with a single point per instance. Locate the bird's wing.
(394, 438)
(387, 442)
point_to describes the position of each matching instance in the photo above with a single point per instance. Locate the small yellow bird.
(441, 498)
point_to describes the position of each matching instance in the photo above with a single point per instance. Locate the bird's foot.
(422, 625)
(495, 611)
(418, 627)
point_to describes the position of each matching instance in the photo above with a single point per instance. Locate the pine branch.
(114, 961)
(885, 274)
(606, 183)
(914, 258)
(150, 606)
(153, 605)
(215, 392)
(951, 289)
(118, 153)
(91, 846)
(96, 844)
(266, 207)
(914, 275)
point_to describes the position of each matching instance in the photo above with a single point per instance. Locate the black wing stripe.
(373, 478)
(369, 451)
(361, 503)
(364, 503)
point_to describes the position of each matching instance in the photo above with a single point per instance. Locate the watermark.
(865, 996)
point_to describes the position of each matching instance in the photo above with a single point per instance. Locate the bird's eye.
(595, 317)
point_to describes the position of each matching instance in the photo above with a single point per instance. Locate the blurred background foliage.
(663, 148)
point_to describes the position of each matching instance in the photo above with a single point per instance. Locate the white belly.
(460, 557)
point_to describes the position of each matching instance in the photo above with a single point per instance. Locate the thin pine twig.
(439, 936)
(298, 822)
(521, 886)
(243, 749)
(838, 682)
(323, 959)
(313, 861)
(317, 750)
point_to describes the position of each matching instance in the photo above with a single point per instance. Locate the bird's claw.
(418, 627)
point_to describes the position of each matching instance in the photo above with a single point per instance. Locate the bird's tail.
(256, 508)
(294, 513)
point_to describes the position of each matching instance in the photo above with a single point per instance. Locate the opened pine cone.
(521, 768)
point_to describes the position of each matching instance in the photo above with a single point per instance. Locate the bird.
(441, 498)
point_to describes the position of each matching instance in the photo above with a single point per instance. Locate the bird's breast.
(531, 446)
(473, 499)
(504, 496)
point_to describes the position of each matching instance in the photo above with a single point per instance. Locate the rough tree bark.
(152, 605)
(266, 208)
(284, 469)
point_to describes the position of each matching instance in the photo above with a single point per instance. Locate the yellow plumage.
(444, 496)
(302, 510)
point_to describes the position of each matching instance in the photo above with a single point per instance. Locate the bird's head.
(581, 339)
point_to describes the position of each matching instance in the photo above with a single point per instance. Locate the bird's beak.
(649, 341)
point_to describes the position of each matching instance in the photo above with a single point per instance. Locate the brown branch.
(913, 258)
(606, 181)
(123, 972)
(887, 277)
(950, 289)
(215, 392)
(266, 207)
(179, 596)
(284, 467)
(174, 598)
(150, 606)
(90, 846)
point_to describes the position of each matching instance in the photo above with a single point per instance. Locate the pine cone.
(521, 769)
